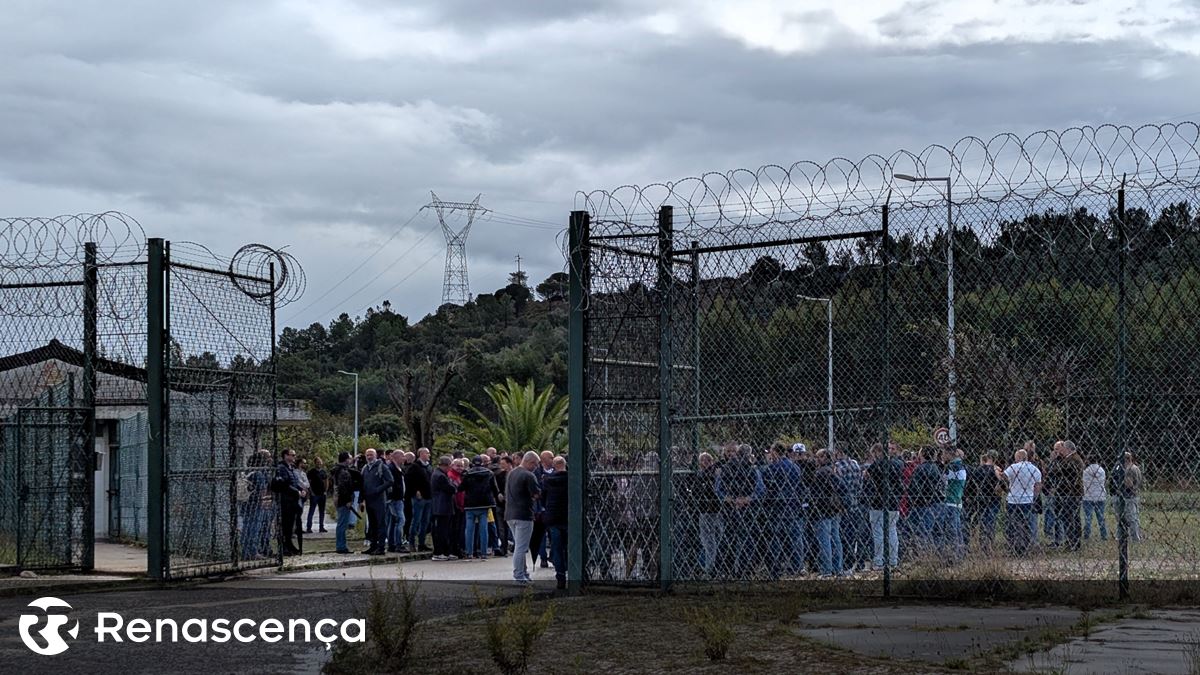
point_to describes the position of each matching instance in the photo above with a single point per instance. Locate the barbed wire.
(1042, 165)
(40, 257)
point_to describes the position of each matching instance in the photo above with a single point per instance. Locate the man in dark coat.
(288, 488)
(443, 491)
(554, 492)
(377, 482)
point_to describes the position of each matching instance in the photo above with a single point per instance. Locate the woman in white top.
(1095, 495)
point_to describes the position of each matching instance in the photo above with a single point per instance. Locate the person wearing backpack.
(346, 480)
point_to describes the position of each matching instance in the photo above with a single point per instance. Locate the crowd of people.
(787, 512)
(468, 509)
(794, 513)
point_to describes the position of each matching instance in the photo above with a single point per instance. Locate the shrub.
(511, 634)
(392, 617)
(714, 630)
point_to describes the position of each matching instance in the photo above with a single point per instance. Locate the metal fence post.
(87, 461)
(666, 551)
(885, 384)
(576, 388)
(696, 352)
(1122, 392)
(156, 543)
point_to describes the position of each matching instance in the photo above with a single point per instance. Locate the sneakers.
(440, 558)
(451, 557)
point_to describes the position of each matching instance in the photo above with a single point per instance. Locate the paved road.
(339, 594)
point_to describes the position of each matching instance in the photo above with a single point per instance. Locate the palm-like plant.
(526, 420)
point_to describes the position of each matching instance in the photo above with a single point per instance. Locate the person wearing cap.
(479, 496)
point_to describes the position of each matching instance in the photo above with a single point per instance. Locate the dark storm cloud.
(323, 126)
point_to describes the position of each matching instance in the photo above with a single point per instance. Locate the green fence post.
(85, 494)
(576, 389)
(155, 409)
(666, 551)
(1122, 393)
(885, 383)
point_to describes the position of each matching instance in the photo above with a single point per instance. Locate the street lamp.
(829, 394)
(355, 375)
(953, 375)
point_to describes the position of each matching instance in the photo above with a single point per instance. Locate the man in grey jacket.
(377, 482)
(520, 493)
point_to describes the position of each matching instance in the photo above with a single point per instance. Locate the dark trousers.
(558, 550)
(290, 512)
(376, 521)
(458, 534)
(442, 535)
(538, 539)
(316, 504)
(501, 533)
(1017, 529)
(1066, 513)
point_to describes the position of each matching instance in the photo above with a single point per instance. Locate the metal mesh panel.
(132, 433)
(221, 414)
(980, 389)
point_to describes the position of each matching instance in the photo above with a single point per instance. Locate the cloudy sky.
(322, 125)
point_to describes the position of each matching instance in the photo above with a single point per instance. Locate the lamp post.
(953, 375)
(355, 375)
(829, 366)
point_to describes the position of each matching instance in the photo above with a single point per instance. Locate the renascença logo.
(113, 627)
(54, 642)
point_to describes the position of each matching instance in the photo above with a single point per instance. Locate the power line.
(359, 266)
(382, 272)
(403, 279)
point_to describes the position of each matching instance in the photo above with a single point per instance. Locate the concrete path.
(936, 634)
(490, 572)
(1162, 642)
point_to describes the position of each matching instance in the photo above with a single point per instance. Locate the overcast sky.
(323, 125)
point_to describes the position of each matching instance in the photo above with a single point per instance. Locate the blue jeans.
(829, 538)
(1096, 508)
(1049, 521)
(344, 514)
(712, 529)
(558, 550)
(923, 519)
(893, 539)
(395, 524)
(422, 512)
(477, 531)
(787, 545)
(521, 530)
(253, 523)
(951, 539)
(316, 504)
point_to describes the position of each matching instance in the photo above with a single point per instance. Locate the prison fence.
(773, 370)
(149, 368)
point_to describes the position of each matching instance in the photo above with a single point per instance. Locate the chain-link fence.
(137, 396)
(970, 365)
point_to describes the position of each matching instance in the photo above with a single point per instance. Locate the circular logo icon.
(51, 641)
(942, 437)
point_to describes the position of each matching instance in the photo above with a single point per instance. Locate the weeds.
(391, 617)
(511, 634)
(1191, 650)
(714, 630)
